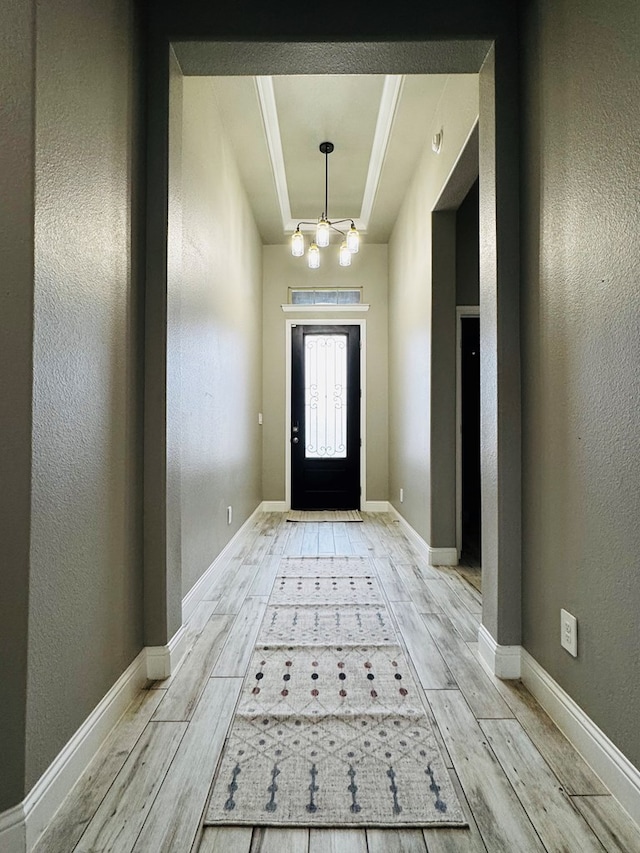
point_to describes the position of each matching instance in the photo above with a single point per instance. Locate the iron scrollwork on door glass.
(325, 392)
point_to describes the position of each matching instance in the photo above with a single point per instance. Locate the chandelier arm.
(325, 223)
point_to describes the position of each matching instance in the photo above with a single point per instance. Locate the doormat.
(330, 728)
(324, 515)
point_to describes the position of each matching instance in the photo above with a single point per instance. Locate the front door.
(325, 417)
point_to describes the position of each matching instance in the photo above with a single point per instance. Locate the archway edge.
(496, 63)
(232, 58)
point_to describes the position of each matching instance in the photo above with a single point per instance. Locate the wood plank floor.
(523, 786)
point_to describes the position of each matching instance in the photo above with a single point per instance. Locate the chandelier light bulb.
(313, 256)
(345, 255)
(297, 243)
(353, 239)
(322, 233)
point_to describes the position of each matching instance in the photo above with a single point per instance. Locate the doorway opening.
(500, 258)
(469, 500)
(468, 382)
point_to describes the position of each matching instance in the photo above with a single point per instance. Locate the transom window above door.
(325, 296)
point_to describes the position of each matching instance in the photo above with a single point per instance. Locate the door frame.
(461, 311)
(209, 52)
(323, 321)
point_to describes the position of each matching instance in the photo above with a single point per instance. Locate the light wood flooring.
(523, 786)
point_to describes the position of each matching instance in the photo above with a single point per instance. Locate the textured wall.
(410, 309)
(17, 118)
(220, 339)
(281, 271)
(581, 360)
(85, 583)
(468, 249)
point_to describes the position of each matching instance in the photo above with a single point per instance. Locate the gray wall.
(581, 360)
(17, 118)
(220, 339)
(84, 570)
(281, 271)
(411, 318)
(468, 249)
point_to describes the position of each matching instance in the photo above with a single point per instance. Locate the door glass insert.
(325, 396)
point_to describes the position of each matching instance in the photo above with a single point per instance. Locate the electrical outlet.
(401, 495)
(569, 633)
(229, 514)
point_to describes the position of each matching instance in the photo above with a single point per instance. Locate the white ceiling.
(379, 125)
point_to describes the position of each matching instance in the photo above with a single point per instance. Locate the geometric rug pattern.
(351, 566)
(326, 590)
(330, 728)
(300, 625)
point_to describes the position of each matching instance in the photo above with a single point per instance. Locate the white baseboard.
(501, 661)
(200, 588)
(620, 776)
(375, 506)
(274, 506)
(443, 556)
(162, 661)
(434, 556)
(21, 826)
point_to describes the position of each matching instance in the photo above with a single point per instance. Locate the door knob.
(295, 439)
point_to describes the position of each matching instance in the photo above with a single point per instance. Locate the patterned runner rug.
(330, 728)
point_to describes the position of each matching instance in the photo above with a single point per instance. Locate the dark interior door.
(325, 417)
(470, 437)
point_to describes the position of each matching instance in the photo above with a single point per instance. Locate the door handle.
(295, 439)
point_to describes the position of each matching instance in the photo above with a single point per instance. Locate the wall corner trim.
(274, 506)
(21, 826)
(619, 775)
(433, 556)
(375, 506)
(161, 661)
(501, 661)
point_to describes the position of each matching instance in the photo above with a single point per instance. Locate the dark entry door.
(325, 417)
(470, 434)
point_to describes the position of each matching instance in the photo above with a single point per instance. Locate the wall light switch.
(401, 495)
(259, 417)
(229, 514)
(569, 633)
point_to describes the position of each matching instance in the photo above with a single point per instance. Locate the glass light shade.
(345, 255)
(353, 239)
(297, 243)
(322, 233)
(313, 256)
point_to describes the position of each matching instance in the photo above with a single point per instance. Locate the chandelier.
(324, 226)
